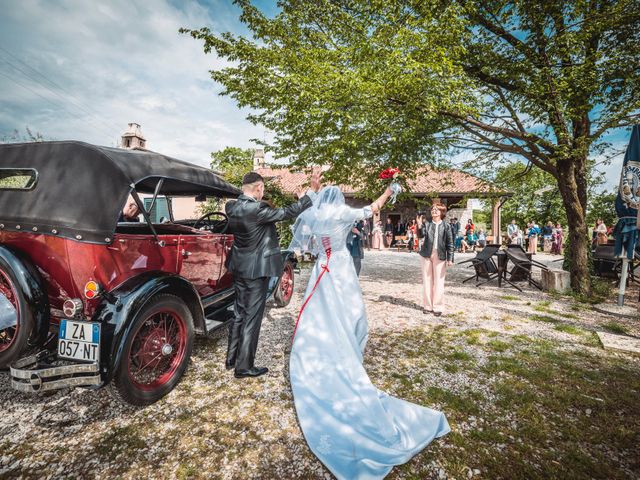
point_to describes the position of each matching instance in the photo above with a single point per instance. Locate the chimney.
(258, 159)
(133, 139)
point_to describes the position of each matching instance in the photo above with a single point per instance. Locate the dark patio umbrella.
(627, 203)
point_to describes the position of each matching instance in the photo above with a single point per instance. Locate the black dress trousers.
(251, 297)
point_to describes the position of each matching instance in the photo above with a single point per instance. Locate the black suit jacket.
(256, 249)
(445, 241)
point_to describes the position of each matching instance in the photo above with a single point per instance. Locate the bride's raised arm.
(382, 199)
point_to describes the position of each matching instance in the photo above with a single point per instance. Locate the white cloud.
(118, 62)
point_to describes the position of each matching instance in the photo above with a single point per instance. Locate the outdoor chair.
(483, 264)
(522, 265)
(605, 263)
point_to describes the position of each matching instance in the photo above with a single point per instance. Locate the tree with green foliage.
(536, 195)
(233, 163)
(602, 205)
(358, 84)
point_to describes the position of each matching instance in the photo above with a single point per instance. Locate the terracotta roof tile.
(429, 181)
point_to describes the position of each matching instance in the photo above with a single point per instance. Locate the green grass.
(563, 327)
(529, 400)
(508, 297)
(543, 318)
(615, 327)
(498, 345)
(601, 289)
(186, 472)
(460, 355)
(125, 439)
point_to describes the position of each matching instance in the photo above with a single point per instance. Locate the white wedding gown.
(356, 430)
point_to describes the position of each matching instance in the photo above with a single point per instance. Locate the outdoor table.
(501, 265)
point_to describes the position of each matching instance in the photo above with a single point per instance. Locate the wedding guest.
(354, 245)
(519, 239)
(454, 228)
(376, 234)
(366, 234)
(437, 254)
(414, 234)
(419, 237)
(469, 227)
(388, 233)
(556, 246)
(464, 246)
(130, 212)
(512, 231)
(533, 233)
(472, 239)
(482, 238)
(410, 238)
(547, 232)
(601, 232)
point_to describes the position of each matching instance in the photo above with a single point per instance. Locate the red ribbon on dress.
(325, 268)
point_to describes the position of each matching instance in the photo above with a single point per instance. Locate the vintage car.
(88, 301)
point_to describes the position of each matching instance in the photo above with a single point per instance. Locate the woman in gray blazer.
(437, 254)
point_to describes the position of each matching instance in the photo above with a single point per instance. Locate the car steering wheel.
(206, 223)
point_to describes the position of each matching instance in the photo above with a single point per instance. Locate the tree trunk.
(573, 188)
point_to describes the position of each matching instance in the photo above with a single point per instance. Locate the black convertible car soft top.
(77, 190)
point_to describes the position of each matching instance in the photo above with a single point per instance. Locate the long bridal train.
(356, 430)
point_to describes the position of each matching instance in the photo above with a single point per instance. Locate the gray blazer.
(445, 240)
(256, 248)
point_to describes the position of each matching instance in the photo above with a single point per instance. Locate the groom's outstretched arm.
(266, 214)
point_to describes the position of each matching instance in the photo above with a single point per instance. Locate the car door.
(200, 259)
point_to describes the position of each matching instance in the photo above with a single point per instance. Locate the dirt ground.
(525, 384)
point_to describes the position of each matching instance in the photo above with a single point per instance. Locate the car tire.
(284, 289)
(14, 341)
(155, 353)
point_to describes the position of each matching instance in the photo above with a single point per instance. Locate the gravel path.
(213, 426)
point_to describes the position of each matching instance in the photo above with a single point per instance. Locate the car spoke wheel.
(286, 282)
(155, 351)
(158, 350)
(9, 312)
(284, 291)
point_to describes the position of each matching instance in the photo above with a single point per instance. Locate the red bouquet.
(389, 173)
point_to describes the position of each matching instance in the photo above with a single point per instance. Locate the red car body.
(109, 303)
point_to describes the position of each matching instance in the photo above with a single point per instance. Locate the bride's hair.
(442, 207)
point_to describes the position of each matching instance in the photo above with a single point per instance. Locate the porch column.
(495, 221)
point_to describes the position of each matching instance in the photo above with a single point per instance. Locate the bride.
(356, 430)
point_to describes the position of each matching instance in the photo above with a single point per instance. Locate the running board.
(213, 325)
(218, 319)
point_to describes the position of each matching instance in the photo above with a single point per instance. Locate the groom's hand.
(300, 192)
(316, 179)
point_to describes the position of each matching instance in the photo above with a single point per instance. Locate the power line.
(55, 104)
(77, 103)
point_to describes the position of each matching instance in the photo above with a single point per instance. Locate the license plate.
(79, 340)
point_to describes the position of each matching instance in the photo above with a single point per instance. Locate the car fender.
(32, 288)
(120, 307)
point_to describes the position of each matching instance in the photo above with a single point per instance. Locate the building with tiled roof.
(455, 188)
(429, 181)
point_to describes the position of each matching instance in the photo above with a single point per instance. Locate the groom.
(253, 260)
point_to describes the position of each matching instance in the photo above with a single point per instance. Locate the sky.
(83, 70)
